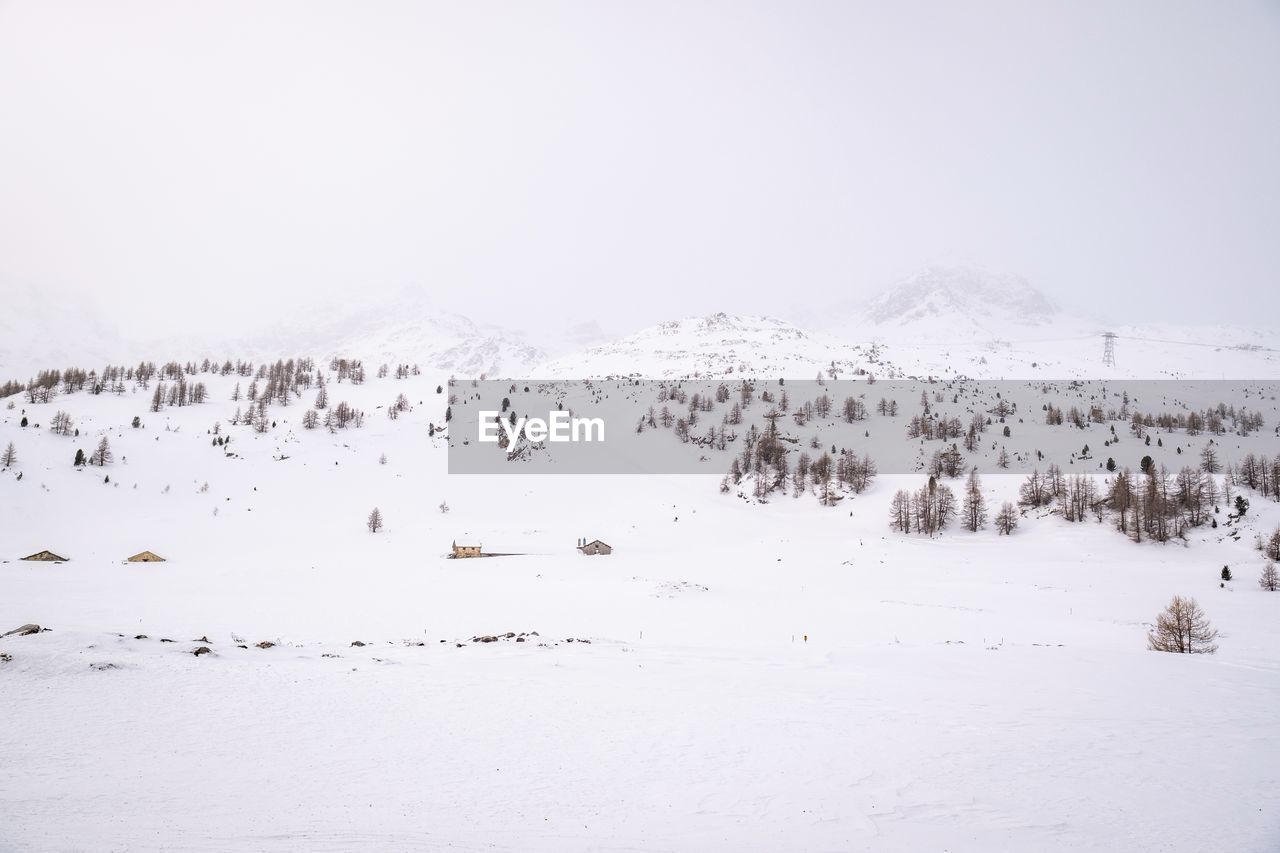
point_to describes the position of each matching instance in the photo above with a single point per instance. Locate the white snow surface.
(715, 345)
(776, 676)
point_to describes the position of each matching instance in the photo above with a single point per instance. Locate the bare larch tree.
(1182, 627)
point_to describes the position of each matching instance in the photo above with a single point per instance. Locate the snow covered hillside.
(964, 321)
(942, 322)
(737, 675)
(716, 345)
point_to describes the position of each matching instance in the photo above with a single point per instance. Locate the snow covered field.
(754, 677)
(641, 427)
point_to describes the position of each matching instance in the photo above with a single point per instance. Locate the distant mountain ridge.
(941, 322)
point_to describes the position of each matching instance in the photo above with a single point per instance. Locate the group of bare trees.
(767, 460)
(61, 424)
(1152, 505)
(1216, 420)
(178, 393)
(1259, 473)
(1143, 506)
(348, 369)
(400, 404)
(402, 371)
(117, 379)
(926, 511)
(948, 462)
(341, 416)
(1159, 507)
(292, 374)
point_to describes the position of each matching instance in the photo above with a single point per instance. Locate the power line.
(1242, 347)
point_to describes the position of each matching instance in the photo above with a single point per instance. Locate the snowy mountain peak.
(963, 297)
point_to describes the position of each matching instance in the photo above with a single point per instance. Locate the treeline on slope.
(773, 463)
(176, 384)
(1151, 504)
(765, 460)
(117, 379)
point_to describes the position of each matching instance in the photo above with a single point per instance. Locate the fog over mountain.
(940, 321)
(957, 293)
(540, 168)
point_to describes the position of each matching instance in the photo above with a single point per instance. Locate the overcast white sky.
(555, 161)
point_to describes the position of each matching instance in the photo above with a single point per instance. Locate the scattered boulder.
(140, 637)
(265, 644)
(5, 658)
(103, 666)
(23, 630)
(202, 650)
(165, 640)
(357, 643)
(519, 639)
(201, 640)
